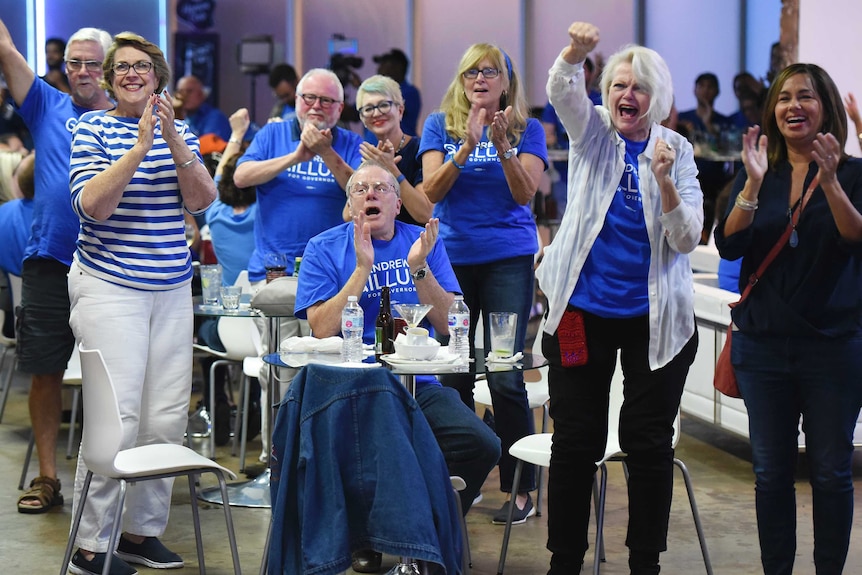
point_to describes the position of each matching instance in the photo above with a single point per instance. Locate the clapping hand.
(362, 244)
(424, 243)
(754, 153)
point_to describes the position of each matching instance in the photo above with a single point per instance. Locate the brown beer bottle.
(384, 332)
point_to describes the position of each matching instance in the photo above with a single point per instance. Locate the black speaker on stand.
(254, 55)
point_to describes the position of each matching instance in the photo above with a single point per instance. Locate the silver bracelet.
(189, 163)
(744, 204)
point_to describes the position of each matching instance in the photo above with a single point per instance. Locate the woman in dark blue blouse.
(798, 348)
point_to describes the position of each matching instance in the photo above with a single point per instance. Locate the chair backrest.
(240, 337)
(243, 281)
(72, 375)
(614, 406)
(103, 427)
(15, 286)
(537, 391)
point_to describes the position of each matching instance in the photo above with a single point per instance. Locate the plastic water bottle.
(459, 328)
(352, 329)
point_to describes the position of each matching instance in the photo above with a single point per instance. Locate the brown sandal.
(45, 492)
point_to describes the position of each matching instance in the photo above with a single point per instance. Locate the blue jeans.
(782, 379)
(470, 448)
(580, 398)
(504, 285)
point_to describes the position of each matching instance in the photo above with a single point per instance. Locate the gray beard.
(318, 125)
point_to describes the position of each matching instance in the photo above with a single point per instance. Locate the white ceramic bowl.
(423, 352)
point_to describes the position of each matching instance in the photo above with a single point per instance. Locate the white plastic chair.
(100, 448)
(9, 343)
(241, 339)
(536, 449)
(537, 397)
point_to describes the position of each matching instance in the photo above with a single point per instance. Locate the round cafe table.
(255, 493)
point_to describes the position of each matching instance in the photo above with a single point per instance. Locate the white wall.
(547, 34)
(833, 43)
(692, 36)
(696, 37)
(446, 28)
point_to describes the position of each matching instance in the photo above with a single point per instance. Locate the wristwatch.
(508, 154)
(420, 273)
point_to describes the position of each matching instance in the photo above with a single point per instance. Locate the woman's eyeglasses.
(122, 68)
(310, 99)
(383, 107)
(91, 65)
(473, 73)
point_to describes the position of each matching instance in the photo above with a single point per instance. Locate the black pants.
(579, 407)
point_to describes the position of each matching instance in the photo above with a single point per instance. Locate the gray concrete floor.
(719, 465)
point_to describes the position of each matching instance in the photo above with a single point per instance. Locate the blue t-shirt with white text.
(613, 282)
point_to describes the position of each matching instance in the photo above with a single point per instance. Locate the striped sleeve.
(142, 244)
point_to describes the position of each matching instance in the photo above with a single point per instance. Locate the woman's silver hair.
(322, 72)
(379, 84)
(96, 35)
(650, 72)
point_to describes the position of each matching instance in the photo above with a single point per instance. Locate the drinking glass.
(275, 264)
(211, 284)
(412, 313)
(504, 325)
(230, 297)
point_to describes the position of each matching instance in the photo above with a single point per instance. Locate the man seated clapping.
(374, 250)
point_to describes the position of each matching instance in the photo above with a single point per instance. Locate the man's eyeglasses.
(362, 188)
(383, 107)
(473, 73)
(142, 67)
(91, 65)
(325, 102)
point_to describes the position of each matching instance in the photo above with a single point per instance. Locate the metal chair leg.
(600, 520)
(76, 398)
(695, 514)
(519, 466)
(27, 457)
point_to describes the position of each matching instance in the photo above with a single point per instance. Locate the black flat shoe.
(366, 561)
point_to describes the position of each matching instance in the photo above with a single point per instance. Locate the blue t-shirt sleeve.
(433, 135)
(351, 153)
(533, 141)
(317, 281)
(257, 150)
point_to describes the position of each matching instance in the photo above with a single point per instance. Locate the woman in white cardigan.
(618, 280)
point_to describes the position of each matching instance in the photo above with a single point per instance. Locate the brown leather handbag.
(724, 379)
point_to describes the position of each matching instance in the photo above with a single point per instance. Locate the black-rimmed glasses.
(383, 107)
(325, 102)
(473, 73)
(141, 67)
(91, 65)
(362, 188)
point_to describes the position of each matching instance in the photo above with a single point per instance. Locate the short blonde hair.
(379, 84)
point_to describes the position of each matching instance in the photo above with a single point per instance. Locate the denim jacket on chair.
(355, 465)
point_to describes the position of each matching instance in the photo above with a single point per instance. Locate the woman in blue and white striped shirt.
(134, 171)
